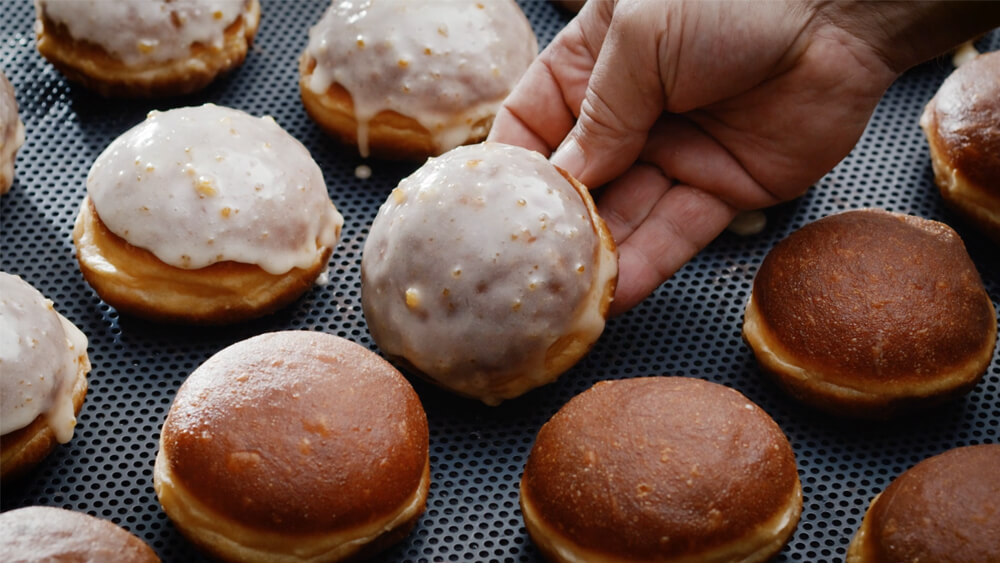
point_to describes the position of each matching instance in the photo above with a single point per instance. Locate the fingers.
(658, 226)
(542, 108)
(623, 98)
(685, 152)
(534, 115)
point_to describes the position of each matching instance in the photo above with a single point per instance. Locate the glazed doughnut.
(44, 533)
(944, 509)
(145, 48)
(204, 215)
(868, 313)
(11, 133)
(413, 79)
(962, 125)
(294, 446)
(43, 379)
(667, 469)
(488, 271)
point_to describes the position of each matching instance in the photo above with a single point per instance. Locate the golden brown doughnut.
(488, 271)
(45, 534)
(389, 134)
(226, 218)
(409, 81)
(43, 376)
(572, 6)
(144, 48)
(868, 313)
(945, 509)
(136, 282)
(664, 469)
(962, 125)
(11, 133)
(294, 446)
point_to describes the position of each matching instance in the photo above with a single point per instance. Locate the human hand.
(693, 111)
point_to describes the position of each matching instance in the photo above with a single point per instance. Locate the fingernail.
(569, 156)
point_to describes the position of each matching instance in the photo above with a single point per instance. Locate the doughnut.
(668, 469)
(869, 313)
(43, 379)
(408, 80)
(488, 272)
(945, 509)
(294, 446)
(11, 133)
(962, 125)
(204, 215)
(45, 533)
(572, 6)
(145, 48)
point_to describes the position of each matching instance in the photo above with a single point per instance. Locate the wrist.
(905, 33)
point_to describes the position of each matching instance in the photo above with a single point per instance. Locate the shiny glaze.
(141, 31)
(426, 60)
(40, 355)
(477, 263)
(201, 185)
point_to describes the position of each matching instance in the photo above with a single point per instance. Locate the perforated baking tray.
(690, 326)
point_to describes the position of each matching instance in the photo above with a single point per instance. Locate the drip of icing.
(363, 172)
(201, 185)
(139, 31)
(477, 263)
(40, 355)
(427, 60)
(964, 53)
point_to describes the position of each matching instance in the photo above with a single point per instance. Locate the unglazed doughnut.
(666, 469)
(573, 6)
(43, 376)
(945, 509)
(145, 48)
(11, 133)
(409, 79)
(868, 313)
(292, 447)
(44, 533)
(962, 125)
(204, 215)
(488, 271)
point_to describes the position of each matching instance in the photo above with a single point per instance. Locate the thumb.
(623, 99)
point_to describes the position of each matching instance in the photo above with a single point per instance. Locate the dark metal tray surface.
(690, 326)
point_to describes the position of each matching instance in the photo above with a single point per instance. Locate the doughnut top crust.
(445, 63)
(944, 509)
(145, 31)
(40, 357)
(207, 184)
(44, 533)
(873, 296)
(657, 468)
(11, 133)
(297, 432)
(966, 111)
(477, 263)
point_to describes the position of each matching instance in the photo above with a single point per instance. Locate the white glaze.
(208, 184)
(427, 59)
(40, 356)
(142, 31)
(11, 133)
(477, 263)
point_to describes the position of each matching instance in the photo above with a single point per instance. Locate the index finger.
(543, 106)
